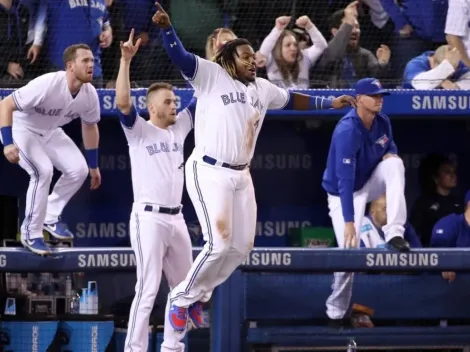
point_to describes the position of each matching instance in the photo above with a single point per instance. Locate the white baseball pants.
(160, 242)
(39, 154)
(388, 177)
(224, 200)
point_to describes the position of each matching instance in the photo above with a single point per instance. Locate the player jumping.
(362, 165)
(232, 104)
(38, 144)
(158, 232)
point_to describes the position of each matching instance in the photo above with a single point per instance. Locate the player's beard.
(85, 78)
(168, 119)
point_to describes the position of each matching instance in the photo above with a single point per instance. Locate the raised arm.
(123, 86)
(185, 61)
(313, 52)
(268, 44)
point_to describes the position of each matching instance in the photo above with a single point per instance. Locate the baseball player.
(30, 121)
(372, 235)
(457, 29)
(232, 103)
(158, 232)
(362, 165)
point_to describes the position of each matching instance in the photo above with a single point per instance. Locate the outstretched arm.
(281, 99)
(123, 87)
(185, 61)
(299, 101)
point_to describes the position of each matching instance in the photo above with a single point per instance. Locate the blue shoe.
(196, 316)
(37, 246)
(178, 317)
(59, 230)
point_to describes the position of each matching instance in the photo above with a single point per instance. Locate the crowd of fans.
(300, 44)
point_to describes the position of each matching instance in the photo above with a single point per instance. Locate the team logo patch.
(377, 83)
(382, 141)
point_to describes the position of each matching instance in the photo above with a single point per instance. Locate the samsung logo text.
(94, 338)
(402, 259)
(35, 339)
(442, 102)
(113, 260)
(268, 259)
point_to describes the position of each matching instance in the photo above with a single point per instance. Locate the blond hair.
(210, 52)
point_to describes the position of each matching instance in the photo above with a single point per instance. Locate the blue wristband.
(327, 104)
(92, 157)
(7, 135)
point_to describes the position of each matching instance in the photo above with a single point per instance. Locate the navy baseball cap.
(370, 86)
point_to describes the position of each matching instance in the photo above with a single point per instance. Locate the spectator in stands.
(219, 37)
(37, 29)
(453, 231)
(344, 62)
(216, 39)
(377, 26)
(14, 21)
(438, 179)
(287, 65)
(72, 22)
(137, 15)
(456, 28)
(419, 25)
(437, 69)
(372, 235)
(111, 56)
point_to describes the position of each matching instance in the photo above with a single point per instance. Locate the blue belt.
(212, 161)
(164, 210)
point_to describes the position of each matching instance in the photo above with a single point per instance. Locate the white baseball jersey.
(230, 113)
(370, 237)
(46, 103)
(458, 19)
(157, 160)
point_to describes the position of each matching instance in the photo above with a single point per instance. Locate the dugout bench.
(272, 303)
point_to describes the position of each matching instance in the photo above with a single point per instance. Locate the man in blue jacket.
(437, 69)
(362, 165)
(419, 26)
(453, 231)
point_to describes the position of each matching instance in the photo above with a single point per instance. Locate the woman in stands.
(287, 65)
(219, 37)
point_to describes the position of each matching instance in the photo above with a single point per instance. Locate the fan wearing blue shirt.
(362, 165)
(437, 69)
(453, 231)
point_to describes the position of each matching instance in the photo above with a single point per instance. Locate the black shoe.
(399, 244)
(343, 323)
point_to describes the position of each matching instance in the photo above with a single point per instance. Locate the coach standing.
(362, 165)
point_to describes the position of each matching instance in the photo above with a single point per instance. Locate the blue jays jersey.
(354, 153)
(451, 231)
(72, 22)
(421, 64)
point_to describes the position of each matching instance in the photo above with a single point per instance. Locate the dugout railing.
(275, 300)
